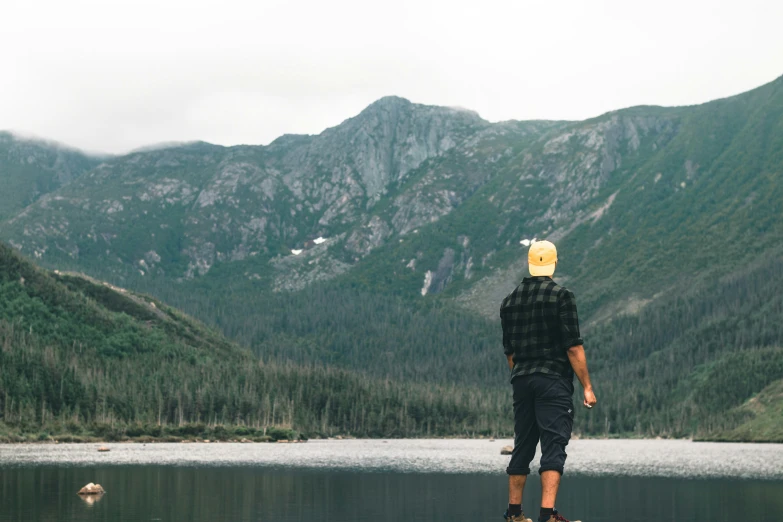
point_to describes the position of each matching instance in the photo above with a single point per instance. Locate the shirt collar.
(536, 279)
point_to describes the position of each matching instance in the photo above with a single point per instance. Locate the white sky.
(112, 75)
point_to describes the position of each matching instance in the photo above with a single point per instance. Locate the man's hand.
(510, 359)
(576, 355)
(590, 399)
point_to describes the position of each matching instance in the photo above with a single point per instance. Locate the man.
(544, 349)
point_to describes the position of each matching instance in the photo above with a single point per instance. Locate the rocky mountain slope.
(446, 195)
(426, 208)
(639, 202)
(31, 168)
(181, 210)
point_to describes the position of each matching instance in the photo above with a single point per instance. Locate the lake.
(395, 480)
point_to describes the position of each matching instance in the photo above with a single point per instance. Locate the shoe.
(557, 517)
(518, 518)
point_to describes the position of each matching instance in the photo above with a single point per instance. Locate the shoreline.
(104, 433)
(81, 440)
(660, 458)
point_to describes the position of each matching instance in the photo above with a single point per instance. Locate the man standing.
(544, 349)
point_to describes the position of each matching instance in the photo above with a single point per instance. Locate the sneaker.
(518, 518)
(557, 517)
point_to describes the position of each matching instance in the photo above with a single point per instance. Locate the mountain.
(384, 245)
(31, 168)
(758, 418)
(181, 211)
(82, 359)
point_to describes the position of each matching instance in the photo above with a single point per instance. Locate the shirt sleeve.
(507, 349)
(569, 320)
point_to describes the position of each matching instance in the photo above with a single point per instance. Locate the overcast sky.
(112, 75)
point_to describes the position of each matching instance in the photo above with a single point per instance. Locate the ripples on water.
(661, 458)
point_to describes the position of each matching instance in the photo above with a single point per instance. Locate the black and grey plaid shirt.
(540, 324)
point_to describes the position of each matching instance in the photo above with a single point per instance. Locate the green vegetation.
(759, 418)
(30, 169)
(667, 222)
(682, 365)
(79, 359)
(677, 368)
(385, 337)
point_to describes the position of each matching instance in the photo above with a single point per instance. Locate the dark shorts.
(543, 410)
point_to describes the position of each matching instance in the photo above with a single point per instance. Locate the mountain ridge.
(32, 167)
(415, 220)
(155, 146)
(342, 194)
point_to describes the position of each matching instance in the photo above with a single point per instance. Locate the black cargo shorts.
(543, 410)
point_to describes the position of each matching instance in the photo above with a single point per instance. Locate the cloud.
(117, 75)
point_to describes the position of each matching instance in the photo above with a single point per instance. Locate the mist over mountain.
(385, 244)
(31, 168)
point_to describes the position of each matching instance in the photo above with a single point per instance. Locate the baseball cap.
(541, 258)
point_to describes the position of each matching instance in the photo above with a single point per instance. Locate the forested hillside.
(683, 365)
(383, 246)
(82, 359)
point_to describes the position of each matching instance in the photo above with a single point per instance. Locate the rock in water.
(506, 450)
(103, 449)
(92, 489)
(91, 500)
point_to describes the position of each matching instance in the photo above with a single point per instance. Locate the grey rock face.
(295, 272)
(374, 180)
(442, 276)
(229, 204)
(364, 240)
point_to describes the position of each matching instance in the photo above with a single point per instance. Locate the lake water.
(396, 480)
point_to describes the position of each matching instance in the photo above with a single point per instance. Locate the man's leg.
(555, 416)
(550, 483)
(516, 486)
(525, 439)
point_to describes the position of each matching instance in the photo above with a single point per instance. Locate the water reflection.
(90, 500)
(198, 494)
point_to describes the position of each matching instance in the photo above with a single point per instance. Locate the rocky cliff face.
(229, 204)
(430, 199)
(387, 173)
(368, 153)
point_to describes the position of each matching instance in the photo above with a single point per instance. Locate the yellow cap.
(541, 258)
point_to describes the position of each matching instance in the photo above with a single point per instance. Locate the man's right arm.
(569, 331)
(576, 355)
(507, 349)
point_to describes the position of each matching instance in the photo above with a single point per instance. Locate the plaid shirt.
(540, 324)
